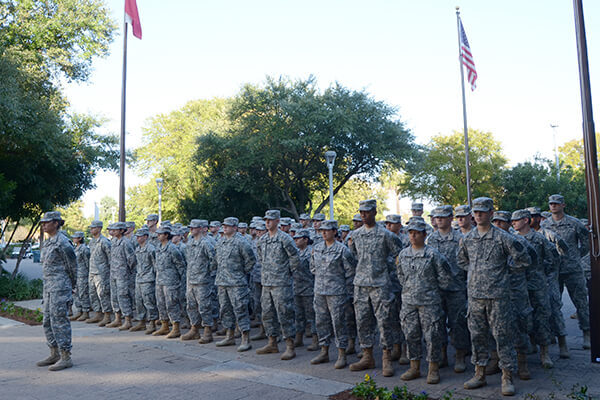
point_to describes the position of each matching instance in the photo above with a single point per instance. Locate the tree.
(74, 219)
(108, 209)
(441, 174)
(571, 153)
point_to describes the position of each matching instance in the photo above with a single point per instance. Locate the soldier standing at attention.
(82, 292)
(316, 223)
(100, 275)
(574, 233)
(463, 216)
(417, 211)
(305, 221)
(279, 259)
(60, 269)
(255, 278)
(484, 254)
(145, 283)
(372, 245)
(152, 223)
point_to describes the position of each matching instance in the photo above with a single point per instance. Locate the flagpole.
(122, 160)
(464, 104)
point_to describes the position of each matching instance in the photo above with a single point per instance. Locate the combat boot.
(76, 316)
(126, 325)
(298, 342)
(586, 340)
(105, 320)
(403, 360)
(444, 362)
(270, 347)
(308, 330)
(508, 387)
(413, 372)
(193, 334)
(492, 367)
(341, 360)
(396, 350)
(117, 322)
(207, 337)
(229, 339)
(97, 318)
(459, 363)
(164, 329)
(366, 361)
(433, 375)
(84, 316)
(63, 363)
(151, 328)
(139, 327)
(545, 358)
(245, 345)
(322, 357)
(386, 363)
(221, 332)
(351, 349)
(478, 380)
(314, 346)
(562, 345)
(531, 347)
(260, 335)
(51, 359)
(523, 369)
(289, 352)
(175, 332)
(215, 325)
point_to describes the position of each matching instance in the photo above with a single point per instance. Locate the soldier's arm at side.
(292, 251)
(443, 271)
(518, 252)
(248, 256)
(349, 263)
(584, 239)
(462, 257)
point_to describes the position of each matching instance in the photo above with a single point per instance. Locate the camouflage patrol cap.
(534, 211)
(166, 222)
(142, 232)
(221, 230)
(260, 226)
(367, 205)
(51, 216)
(130, 224)
(231, 221)
(462, 211)
(344, 228)
(255, 218)
(164, 229)
(273, 214)
(417, 206)
(416, 225)
(78, 234)
(546, 214)
(302, 233)
(215, 224)
(484, 204)
(242, 225)
(177, 225)
(285, 221)
(296, 226)
(96, 224)
(416, 218)
(319, 217)
(356, 218)
(520, 214)
(556, 198)
(329, 224)
(442, 211)
(501, 216)
(393, 219)
(305, 217)
(152, 217)
(198, 223)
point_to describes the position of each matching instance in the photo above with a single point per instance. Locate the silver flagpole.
(464, 103)
(122, 161)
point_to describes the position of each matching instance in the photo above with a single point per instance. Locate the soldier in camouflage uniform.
(234, 259)
(100, 275)
(278, 256)
(59, 274)
(575, 234)
(213, 229)
(304, 282)
(371, 246)
(178, 232)
(152, 223)
(305, 221)
(484, 253)
(285, 224)
(316, 223)
(145, 283)
(169, 269)
(417, 211)
(423, 273)
(333, 267)
(344, 231)
(82, 291)
(454, 296)
(462, 214)
(255, 279)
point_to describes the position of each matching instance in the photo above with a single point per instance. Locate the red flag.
(132, 16)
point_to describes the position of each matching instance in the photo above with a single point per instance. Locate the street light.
(159, 185)
(554, 126)
(330, 157)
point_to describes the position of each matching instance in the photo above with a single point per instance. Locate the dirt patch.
(345, 395)
(24, 315)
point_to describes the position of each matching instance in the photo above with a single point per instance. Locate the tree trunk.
(23, 249)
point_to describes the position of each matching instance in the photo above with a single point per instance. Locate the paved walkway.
(30, 269)
(131, 366)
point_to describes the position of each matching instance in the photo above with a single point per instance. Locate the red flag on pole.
(132, 16)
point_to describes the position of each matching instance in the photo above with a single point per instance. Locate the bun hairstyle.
(61, 222)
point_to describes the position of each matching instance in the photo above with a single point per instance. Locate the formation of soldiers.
(488, 283)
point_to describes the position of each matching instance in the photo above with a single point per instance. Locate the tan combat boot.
(229, 339)
(396, 350)
(308, 330)
(260, 335)
(215, 325)
(126, 325)
(508, 387)
(193, 334)
(164, 329)
(433, 375)
(322, 357)
(289, 352)
(564, 349)
(386, 363)
(245, 345)
(270, 347)
(75, 317)
(298, 342)
(221, 332)
(51, 359)
(84, 316)
(478, 380)
(492, 367)
(459, 363)
(63, 363)
(207, 337)
(351, 349)
(97, 318)
(314, 345)
(175, 332)
(366, 361)
(444, 362)
(545, 358)
(403, 360)
(523, 369)
(586, 340)
(141, 326)
(117, 322)
(341, 360)
(413, 372)
(151, 328)
(105, 320)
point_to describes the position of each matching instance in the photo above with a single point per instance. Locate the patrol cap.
(416, 218)
(164, 229)
(462, 211)
(130, 224)
(296, 226)
(51, 216)
(142, 232)
(417, 206)
(416, 225)
(185, 230)
(231, 221)
(96, 224)
(255, 218)
(252, 225)
(177, 225)
(305, 217)
(393, 219)
(302, 233)
(273, 214)
(198, 223)
(221, 230)
(501, 216)
(152, 217)
(77, 234)
(546, 214)
(520, 214)
(215, 224)
(242, 225)
(367, 205)
(534, 211)
(117, 225)
(260, 226)
(556, 198)
(357, 218)
(484, 204)
(285, 221)
(319, 217)
(166, 222)
(329, 224)
(344, 228)
(442, 211)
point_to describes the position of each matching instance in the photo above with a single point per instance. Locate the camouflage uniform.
(169, 268)
(122, 266)
(145, 282)
(304, 282)
(200, 280)
(82, 293)
(100, 274)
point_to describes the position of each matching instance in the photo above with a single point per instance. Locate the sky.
(403, 52)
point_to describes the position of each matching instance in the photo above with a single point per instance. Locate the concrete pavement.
(27, 267)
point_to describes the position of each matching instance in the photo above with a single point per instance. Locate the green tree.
(441, 174)
(571, 153)
(108, 210)
(74, 219)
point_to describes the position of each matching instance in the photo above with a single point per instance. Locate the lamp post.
(159, 186)
(554, 126)
(330, 157)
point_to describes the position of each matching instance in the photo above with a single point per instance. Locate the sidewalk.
(131, 366)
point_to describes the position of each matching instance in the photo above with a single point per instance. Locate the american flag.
(466, 57)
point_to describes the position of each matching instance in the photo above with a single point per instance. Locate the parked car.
(17, 249)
